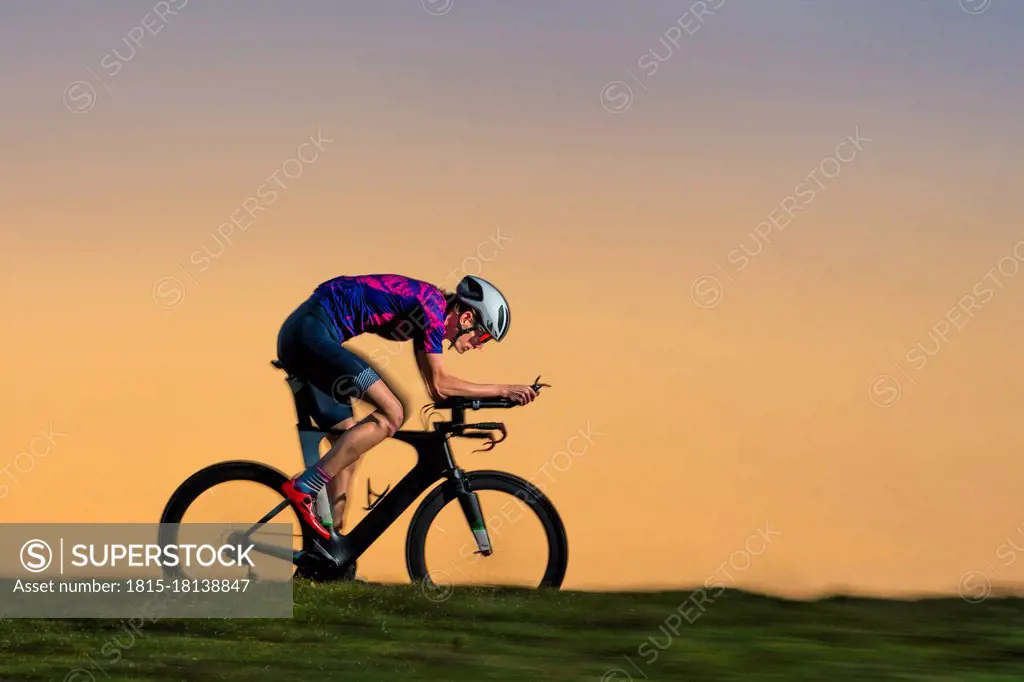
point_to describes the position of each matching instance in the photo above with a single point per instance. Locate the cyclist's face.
(479, 338)
(470, 340)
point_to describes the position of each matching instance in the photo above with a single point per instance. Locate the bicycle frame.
(434, 462)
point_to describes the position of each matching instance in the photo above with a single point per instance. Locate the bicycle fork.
(474, 513)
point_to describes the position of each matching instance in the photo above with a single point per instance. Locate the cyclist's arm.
(441, 384)
(428, 347)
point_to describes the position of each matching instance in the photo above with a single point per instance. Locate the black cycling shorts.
(309, 348)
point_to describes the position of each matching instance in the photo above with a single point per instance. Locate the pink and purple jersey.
(393, 307)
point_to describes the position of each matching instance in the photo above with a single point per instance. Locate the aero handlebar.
(460, 403)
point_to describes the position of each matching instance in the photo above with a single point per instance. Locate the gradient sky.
(715, 420)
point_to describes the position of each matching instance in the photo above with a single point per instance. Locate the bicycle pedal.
(325, 555)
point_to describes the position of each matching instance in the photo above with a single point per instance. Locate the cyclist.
(395, 307)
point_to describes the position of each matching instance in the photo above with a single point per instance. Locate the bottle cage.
(372, 498)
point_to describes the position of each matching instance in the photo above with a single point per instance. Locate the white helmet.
(491, 308)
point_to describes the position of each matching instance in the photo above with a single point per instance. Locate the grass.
(372, 632)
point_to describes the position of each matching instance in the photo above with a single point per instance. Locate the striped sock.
(312, 480)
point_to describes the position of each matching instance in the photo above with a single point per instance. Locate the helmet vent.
(502, 315)
(474, 290)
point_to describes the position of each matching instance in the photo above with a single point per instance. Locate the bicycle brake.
(537, 385)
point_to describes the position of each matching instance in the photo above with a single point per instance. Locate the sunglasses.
(482, 337)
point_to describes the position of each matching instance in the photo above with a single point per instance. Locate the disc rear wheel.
(235, 496)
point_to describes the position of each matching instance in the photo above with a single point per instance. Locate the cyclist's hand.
(518, 394)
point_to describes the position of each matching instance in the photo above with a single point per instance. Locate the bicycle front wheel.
(527, 536)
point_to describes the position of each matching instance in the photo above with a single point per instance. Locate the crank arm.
(276, 551)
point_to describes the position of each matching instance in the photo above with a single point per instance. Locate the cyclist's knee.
(389, 420)
(390, 413)
(395, 415)
(343, 425)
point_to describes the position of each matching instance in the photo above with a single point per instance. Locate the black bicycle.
(446, 543)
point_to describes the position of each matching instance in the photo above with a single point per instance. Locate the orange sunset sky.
(754, 346)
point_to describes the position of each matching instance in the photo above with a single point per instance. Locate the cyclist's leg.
(311, 350)
(339, 488)
(335, 412)
(339, 463)
(386, 418)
